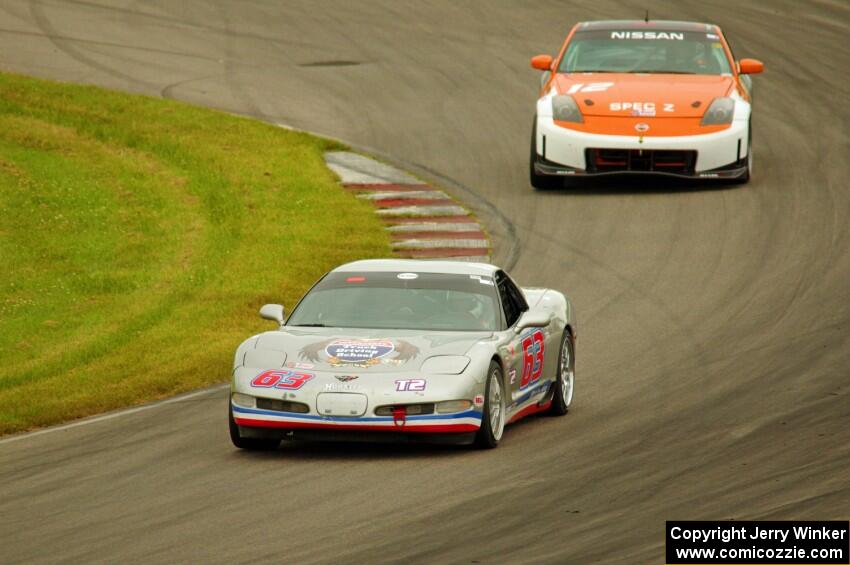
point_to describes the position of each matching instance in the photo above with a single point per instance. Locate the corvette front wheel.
(493, 418)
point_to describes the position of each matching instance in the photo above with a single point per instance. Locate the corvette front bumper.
(354, 406)
(566, 152)
(305, 434)
(468, 421)
(459, 428)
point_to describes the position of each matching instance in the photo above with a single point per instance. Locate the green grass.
(138, 238)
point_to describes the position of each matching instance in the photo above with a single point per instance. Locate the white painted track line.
(425, 194)
(469, 259)
(113, 415)
(441, 243)
(436, 226)
(423, 211)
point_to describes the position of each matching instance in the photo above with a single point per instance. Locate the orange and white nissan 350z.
(643, 97)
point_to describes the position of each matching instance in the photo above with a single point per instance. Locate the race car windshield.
(644, 51)
(415, 301)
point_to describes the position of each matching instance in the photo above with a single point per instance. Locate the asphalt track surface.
(713, 346)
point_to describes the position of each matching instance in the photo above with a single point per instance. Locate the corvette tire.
(540, 182)
(493, 418)
(565, 382)
(252, 444)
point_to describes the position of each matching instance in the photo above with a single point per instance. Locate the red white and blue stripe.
(468, 421)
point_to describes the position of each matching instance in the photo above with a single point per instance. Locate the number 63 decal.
(532, 359)
(283, 378)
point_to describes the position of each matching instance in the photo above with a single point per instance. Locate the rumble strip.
(423, 222)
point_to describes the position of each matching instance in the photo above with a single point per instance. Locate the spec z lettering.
(410, 385)
(281, 378)
(639, 106)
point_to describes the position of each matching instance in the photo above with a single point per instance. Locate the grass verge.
(139, 236)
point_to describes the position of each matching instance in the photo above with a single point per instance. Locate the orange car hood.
(669, 95)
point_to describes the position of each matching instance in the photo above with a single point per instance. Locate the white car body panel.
(567, 147)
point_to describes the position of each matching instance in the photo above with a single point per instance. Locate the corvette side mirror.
(542, 62)
(533, 319)
(272, 312)
(750, 66)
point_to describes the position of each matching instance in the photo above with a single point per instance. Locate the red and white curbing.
(424, 223)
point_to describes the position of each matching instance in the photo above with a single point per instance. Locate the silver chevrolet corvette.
(434, 351)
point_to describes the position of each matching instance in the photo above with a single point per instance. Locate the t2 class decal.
(410, 385)
(282, 379)
(532, 358)
(362, 353)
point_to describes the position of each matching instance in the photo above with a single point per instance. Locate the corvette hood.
(373, 351)
(622, 95)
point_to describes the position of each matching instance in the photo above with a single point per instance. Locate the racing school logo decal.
(363, 353)
(359, 350)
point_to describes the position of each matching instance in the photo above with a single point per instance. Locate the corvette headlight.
(264, 359)
(445, 364)
(243, 400)
(565, 109)
(719, 112)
